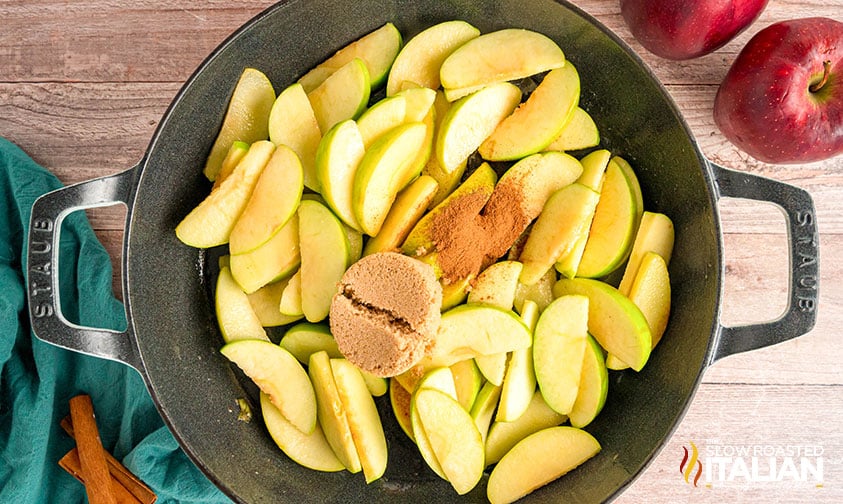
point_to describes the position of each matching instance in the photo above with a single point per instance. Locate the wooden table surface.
(83, 85)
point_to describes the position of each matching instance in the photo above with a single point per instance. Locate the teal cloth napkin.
(38, 379)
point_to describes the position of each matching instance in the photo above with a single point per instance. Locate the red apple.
(782, 99)
(684, 29)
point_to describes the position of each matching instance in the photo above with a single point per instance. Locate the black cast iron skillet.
(172, 339)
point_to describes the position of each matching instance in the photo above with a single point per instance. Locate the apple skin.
(766, 104)
(683, 29)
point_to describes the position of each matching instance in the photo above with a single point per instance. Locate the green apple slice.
(540, 292)
(421, 57)
(280, 376)
(246, 118)
(565, 218)
(343, 95)
(467, 382)
(614, 321)
(265, 302)
(324, 258)
(363, 418)
(273, 202)
(381, 171)
(453, 437)
(519, 383)
(594, 386)
(624, 165)
(377, 49)
(561, 336)
(537, 460)
(613, 226)
(470, 120)
(310, 450)
(293, 123)
(331, 413)
(210, 223)
(441, 379)
(278, 258)
(536, 177)
(504, 435)
(337, 158)
(235, 316)
(496, 285)
(409, 206)
(497, 56)
(306, 338)
(483, 409)
(493, 367)
(290, 303)
(655, 234)
(538, 121)
(400, 399)
(235, 154)
(580, 132)
(651, 293)
(381, 117)
(419, 100)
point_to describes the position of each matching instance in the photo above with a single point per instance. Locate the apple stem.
(815, 87)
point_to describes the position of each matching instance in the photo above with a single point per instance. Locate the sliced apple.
(614, 321)
(310, 450)
(293, 123)
(276, 259)
(235, 316)
(539, 120)
(519, 383)
(421, 57)
(377, 49)
(470, 120)
(381, 172)
(613, 226)
(634, 184)
(420, 101)
(496, 285)
(306, 338)
(467, 382)
(324, 252)
(246, 118)
(483, 409)
(580, 132)
(497, 56)
(561, 336)
(265, 302)
(504, 435)
(409, 206)
(337, 158)
(651, 293)
(210, 223)
(400, 399)
(280, 376)
(290, 303)
(381, 117)
(331, 413)
(565, 218)
(453, 437)
(655, 234)
(594, 386)
(343, 95)
(235, 154)
(441, 379)
(493, 367)
(363, 418)
(540, 292)
(537, 460)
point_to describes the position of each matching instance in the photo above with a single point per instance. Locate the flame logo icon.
(690, 462)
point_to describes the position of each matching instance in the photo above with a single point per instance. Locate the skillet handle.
(800, 315)
(48, 322)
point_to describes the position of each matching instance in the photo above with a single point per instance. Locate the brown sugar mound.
(386, 312)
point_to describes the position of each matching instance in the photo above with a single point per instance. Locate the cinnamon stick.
(98, 482)
(71, 463)
(119, 472)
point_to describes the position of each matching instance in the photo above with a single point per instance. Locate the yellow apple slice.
(310, 450)
(235, 154)
(467, 382)
(561, 336)
(265, 302)
(614, 321)
(293, 123)
(331, 413)
(421, 57)
(381, 171)
(470, 120)
(594, 386)
(624, 165)
(447, 180)
(613, 226)
(655, 234)
(377, 49)
(235, 316)
(211, 222)
(503, 436)
(337, 158)
(363, 418)
(580, 132)
(290, 303)
(280, 376)
(453, 437)
(343, 95)
(538, 121)
(483, 409)
(497, 56)
(409, 206)
(651, 293)
(419, 100)
(381, 117)
(324, 258)
(400, 399)
(565, 218)
(273, 201)
(246, 118)
(537, 460)
(519, 383)
(278, 258)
